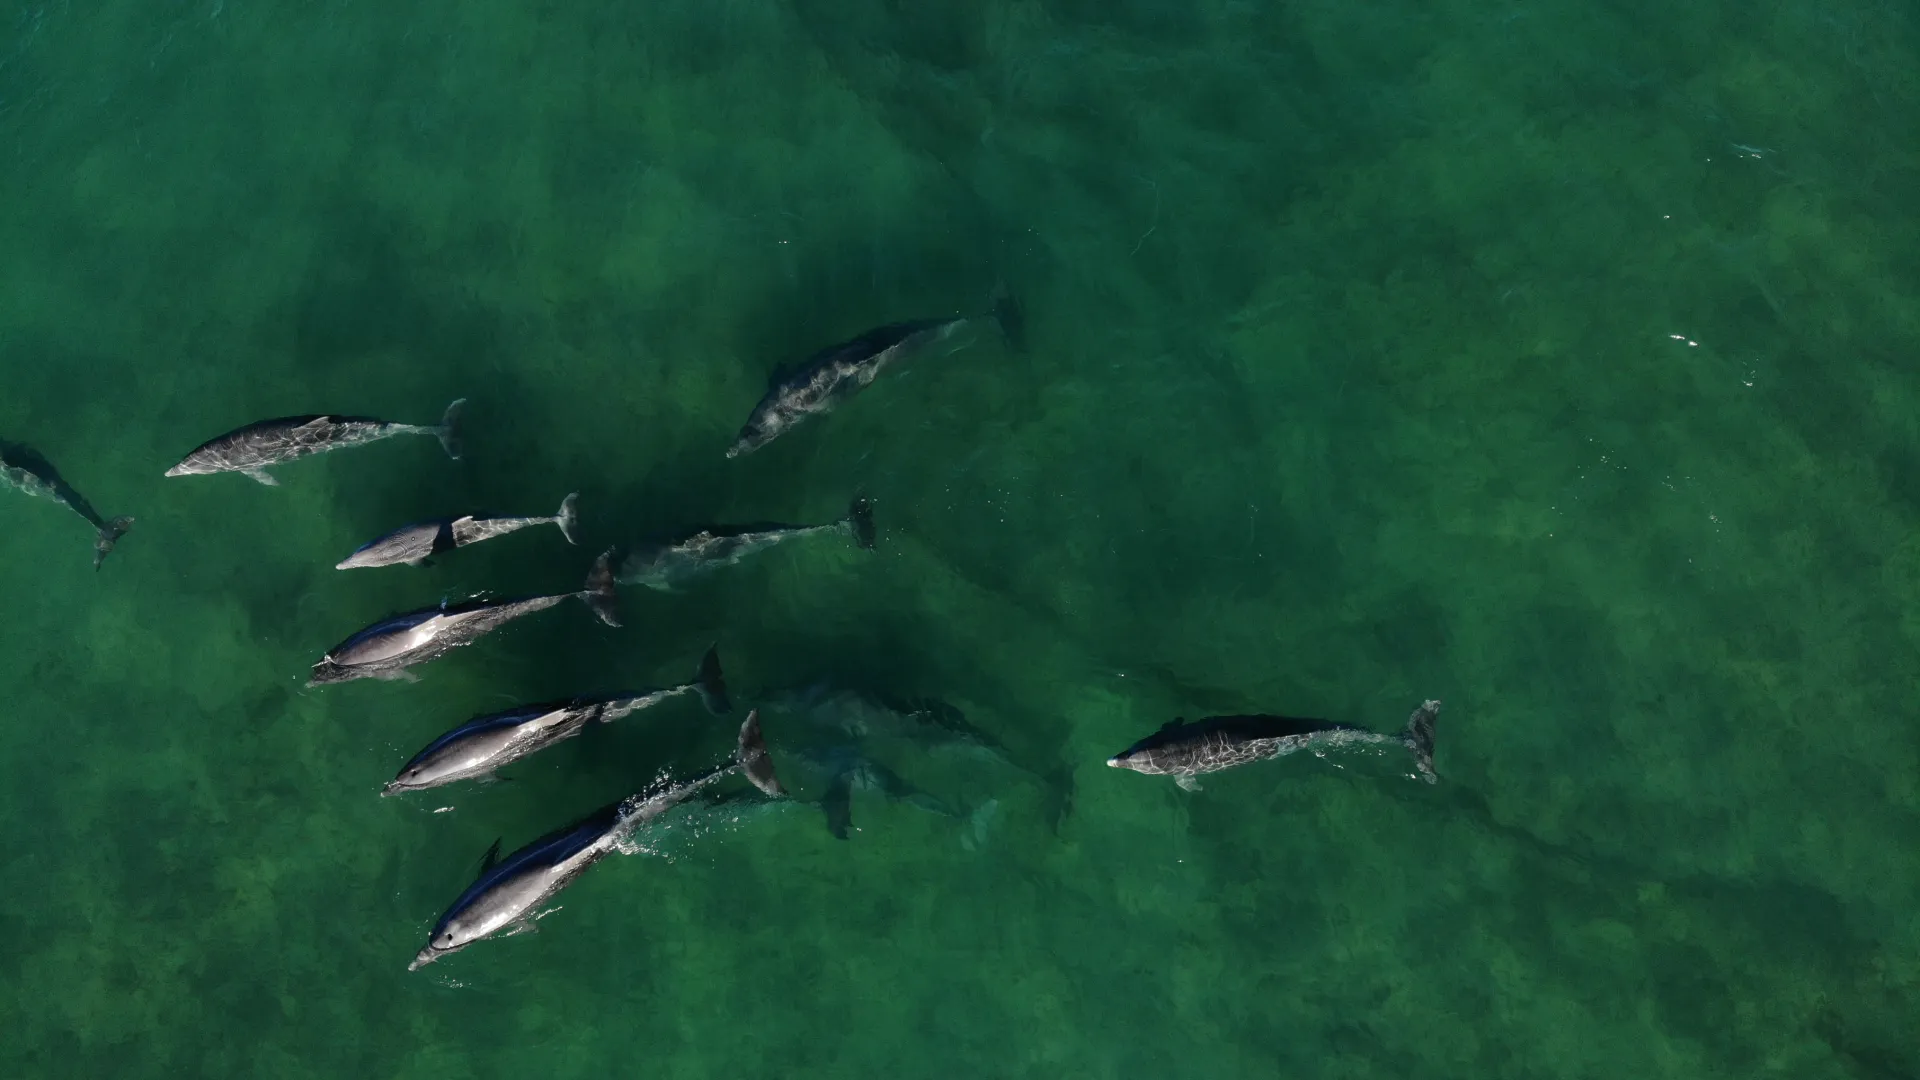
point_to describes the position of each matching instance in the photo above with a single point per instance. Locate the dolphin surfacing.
(1185, 749)
(509, 892)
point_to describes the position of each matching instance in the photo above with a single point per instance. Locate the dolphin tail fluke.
(860, 517)
(1011, 317)
(449, 429)
(569, 518)
(711, 684)
(753, 759)
(1420, 738)
(109, 535)
(599, 591)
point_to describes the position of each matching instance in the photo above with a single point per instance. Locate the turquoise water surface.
(1555, 360)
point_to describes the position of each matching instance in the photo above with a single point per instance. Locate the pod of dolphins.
(510, 890)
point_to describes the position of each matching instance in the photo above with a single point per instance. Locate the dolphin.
(848, 770)
(1184, 749)
(415, 544)
(252, 448)
(671, 564)
(838, 372)
(508, 891)
(387, 648)
(24, 468)
(926, 721)
(483, 744)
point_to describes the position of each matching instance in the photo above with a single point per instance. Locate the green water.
(1555, 360)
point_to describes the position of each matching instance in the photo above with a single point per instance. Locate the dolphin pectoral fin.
(490, 859)
(1187, 782)
(262, 476)
(398, 675)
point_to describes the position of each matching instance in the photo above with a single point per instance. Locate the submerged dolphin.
(252, 448)
(24, 468)
(847, 770)
(671, 564)
(1183, 749)
(507, 892)
(483, 744)
(387, 648)
(414, 544)
(838, 372)
(928, 722)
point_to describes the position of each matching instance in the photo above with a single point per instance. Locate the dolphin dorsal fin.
(1173, 723)
(490, 859)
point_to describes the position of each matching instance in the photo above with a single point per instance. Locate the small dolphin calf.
(481, 745)
(387, 648)
(1183, 749)
(252, 448)
(22, 467)
(508, 892)
(673, 563)
(414, 544)
(838, 372)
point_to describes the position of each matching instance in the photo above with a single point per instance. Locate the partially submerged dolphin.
(509, 891)
(483, 744)
(252, 448)
(670, 564)
(1184, 749)
(415, 544)
(387, 648)
(838, 372)
(24, 468)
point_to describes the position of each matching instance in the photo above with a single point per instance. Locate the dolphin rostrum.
(1184, 749)
(389, 647)
(24, 468)
(252, 448)
(838, 372)
(415, 544)
(483, 744)
(673, 563)
(508, 892)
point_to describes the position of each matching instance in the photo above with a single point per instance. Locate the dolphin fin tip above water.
(711, 683)
(449, 429)
(599, 594)
(754, 759)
